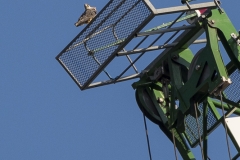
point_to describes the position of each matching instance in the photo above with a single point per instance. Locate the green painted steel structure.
(178, 78)
(179, 91)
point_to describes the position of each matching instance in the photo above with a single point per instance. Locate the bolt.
(175, 57)
(238, 37)
(216, 93)
(176, 106)
(197, 67)
(160, 100)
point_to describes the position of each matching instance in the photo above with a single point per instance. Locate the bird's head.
(87, 6)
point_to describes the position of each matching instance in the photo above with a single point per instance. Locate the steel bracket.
(236, 38)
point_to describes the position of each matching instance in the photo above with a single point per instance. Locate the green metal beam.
(226, 107)
(192, 80)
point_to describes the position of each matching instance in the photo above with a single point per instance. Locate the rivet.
(197, 67)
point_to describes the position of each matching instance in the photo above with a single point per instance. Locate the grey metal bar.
(156, 48)
(115, 35)
(188, 5)
(198, 41)
(83, 41)
(97, 84)
(217, 2)
(96, 60)
(146, 49)
(151, 44)
(150, 5)
(112, 56)
(165, 30)
(177, 9)
(130, 60)
(166, 51)
(226, 107)
(134, 5)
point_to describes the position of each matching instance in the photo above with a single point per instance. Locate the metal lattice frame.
(88, 54)
(115, 26)
(191, 132)
(232, 92)
(112, 24)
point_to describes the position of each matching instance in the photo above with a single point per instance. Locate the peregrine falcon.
(87, 16)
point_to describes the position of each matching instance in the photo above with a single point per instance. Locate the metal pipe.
(177, 9)
(102, 83)
(225, 106)
(151, 44)
(164, 30)
(156, 48)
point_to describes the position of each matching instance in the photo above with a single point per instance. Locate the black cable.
(146, 131)
(174, 143)
(225, 126)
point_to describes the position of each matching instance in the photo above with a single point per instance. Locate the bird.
(87, 16)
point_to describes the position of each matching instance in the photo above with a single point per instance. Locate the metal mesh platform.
(232, 91)
(87, 57)
(191, 132)
(89, 53)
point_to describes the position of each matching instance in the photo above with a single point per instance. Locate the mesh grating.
(116, 22)
(191, 126)
(232, 91)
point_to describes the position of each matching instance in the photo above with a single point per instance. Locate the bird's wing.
(91, 13)
(83, 15)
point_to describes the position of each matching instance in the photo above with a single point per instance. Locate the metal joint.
(157, 74)
(188, 5)
(160, 100)
(175, 57)
(197, 67)
(236, 38)
(91, 53)
(225, 83)
(212, 21)
(218, 3)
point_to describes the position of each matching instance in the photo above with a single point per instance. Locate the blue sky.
(43, 113)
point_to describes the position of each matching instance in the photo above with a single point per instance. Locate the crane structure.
(181, 91)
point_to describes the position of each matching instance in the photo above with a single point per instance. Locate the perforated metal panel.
(232, 91)
(118, 21)
(191, 126)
